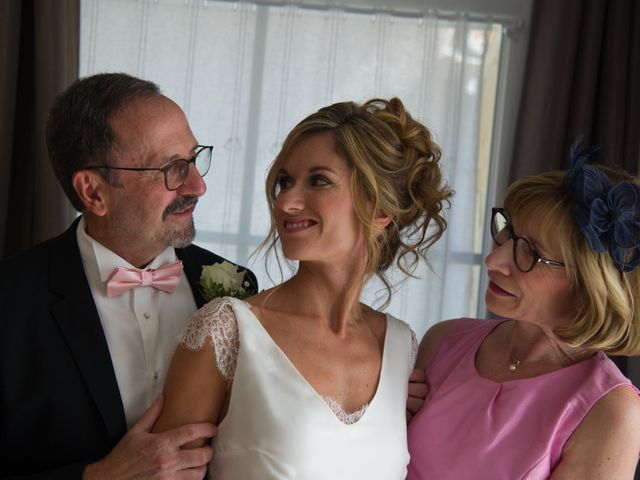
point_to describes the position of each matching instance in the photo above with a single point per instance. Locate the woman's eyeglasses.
(525, 256)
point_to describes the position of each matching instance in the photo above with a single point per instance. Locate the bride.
(304, 380)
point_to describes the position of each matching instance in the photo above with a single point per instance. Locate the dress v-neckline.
(301, 378)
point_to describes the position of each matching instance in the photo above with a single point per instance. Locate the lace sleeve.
(414, 349)
(215, 321)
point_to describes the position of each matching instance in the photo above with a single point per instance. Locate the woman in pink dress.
(533, 396)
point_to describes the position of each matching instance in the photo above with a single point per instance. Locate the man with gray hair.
(90, 318)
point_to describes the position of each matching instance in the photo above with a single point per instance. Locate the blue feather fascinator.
(608, 213)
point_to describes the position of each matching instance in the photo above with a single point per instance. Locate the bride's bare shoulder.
(260, 300)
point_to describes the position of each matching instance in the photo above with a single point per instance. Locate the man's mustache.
(179, 204)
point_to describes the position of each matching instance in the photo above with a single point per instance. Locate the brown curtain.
(39, 55)
(582, 77)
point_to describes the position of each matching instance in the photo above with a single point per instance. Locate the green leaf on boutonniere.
(224, 280)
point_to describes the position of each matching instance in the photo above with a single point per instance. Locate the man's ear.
(90, 188)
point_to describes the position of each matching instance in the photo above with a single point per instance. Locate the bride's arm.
(194, 391)
(200, 374)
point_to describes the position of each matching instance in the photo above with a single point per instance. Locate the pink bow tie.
(165, 278)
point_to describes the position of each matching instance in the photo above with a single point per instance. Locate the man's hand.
(417, 392)
(144, 455)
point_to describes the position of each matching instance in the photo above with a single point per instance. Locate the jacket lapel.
(77, 317)
(193, 270)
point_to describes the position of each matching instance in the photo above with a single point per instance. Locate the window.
(246, 72)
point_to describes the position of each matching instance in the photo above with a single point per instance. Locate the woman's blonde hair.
(395, 170)
(608, 318)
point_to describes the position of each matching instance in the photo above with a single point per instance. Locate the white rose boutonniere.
(224, 280)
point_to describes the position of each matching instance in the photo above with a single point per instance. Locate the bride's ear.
(381, 221)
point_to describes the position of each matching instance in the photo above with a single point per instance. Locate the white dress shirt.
(141, 326)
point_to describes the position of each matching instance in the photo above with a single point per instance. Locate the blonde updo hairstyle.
(395, 170)
(608, 318)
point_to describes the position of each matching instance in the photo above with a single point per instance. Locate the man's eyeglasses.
(524, 255)
(176, 172)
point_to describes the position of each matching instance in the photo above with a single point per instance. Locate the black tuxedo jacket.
(60, 406)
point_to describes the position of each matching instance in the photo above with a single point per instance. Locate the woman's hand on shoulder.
(416, 393)
(606, 444)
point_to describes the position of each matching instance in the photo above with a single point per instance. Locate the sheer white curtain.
(246, 73)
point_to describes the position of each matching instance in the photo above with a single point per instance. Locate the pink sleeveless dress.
(474, 428)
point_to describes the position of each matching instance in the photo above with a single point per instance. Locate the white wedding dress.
(278, 427)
